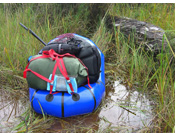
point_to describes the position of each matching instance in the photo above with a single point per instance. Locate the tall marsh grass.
(18, 44)
(124, 59)
(141, 69)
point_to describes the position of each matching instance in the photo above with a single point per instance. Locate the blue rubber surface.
(63, 105)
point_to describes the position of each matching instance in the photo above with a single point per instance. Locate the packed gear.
(72, 47)
(41, 72)
(57, 70)
(81, 48)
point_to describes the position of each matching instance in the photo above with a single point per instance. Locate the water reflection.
(10, 108)
(122, 110)
(126, 109)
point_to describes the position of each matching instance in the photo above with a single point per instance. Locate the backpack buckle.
(53, 83)
(68, 81)
(61, 84)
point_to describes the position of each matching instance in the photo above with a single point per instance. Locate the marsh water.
(122, 109)
(10, 110)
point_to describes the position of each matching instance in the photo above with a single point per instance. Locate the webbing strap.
(64, 73)
(87, 73)
(59, 63)
(39, 57)
(39, 75)
(52, 78)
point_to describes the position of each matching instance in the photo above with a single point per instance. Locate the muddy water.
(126, 110)
(11, 108)
(122, 110)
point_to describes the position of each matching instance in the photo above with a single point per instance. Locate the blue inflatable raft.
(66, 105)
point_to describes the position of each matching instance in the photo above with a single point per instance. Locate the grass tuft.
(124, 59)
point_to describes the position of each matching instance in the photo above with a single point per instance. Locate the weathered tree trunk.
(148, 35)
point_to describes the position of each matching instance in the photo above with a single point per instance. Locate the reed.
(124, 59)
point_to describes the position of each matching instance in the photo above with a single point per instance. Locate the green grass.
(124, 60)
(162, 15)
(138, 67)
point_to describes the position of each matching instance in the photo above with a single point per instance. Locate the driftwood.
(146, 34)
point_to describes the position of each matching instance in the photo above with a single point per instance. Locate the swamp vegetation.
(126, 63)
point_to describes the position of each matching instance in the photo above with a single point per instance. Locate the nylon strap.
(64, 73)
(59, 63)
(53, 74)
(39, 75)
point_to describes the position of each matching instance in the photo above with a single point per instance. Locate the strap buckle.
(52, 82)
(68, 81)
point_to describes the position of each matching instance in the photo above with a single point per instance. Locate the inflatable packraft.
(83, 98)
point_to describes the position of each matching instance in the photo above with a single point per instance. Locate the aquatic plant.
(137, 68)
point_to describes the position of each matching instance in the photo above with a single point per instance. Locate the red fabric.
(66, 35)
(52, 78)
(40, 76)
(87, 72)
(59, 63)
(64, 72)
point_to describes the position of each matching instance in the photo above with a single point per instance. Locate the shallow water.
(126, 109)
(10, 110)
(122, 110)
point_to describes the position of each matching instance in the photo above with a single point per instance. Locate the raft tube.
(63, 104)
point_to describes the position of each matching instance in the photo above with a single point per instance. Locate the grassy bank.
(136, 67)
